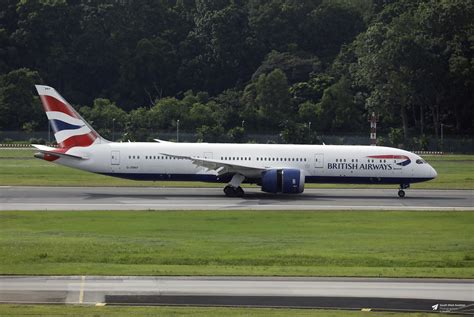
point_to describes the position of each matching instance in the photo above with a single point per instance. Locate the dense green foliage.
(304, 243)
(261, 66)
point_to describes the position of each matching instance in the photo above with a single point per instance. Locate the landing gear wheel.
(239, 192)
(229, 191)
(401, 192)
(233, 192)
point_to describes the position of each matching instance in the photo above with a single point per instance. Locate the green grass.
(117, 311)
(291, 243)
(18, 167)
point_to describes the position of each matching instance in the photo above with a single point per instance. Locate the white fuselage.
(318, 163)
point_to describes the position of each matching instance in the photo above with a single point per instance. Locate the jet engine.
(287, 181)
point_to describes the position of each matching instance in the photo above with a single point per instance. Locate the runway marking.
(81, 292)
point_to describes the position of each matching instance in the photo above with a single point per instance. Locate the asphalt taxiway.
(165, 198)
(349, 293)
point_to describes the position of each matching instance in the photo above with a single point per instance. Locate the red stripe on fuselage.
(393, 157)
(53, 104)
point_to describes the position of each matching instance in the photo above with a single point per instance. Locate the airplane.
(276, 168)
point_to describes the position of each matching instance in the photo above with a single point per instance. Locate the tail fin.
(70, 129)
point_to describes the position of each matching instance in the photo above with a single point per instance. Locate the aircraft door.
(318, 161)
(115, 158)
(114, 161)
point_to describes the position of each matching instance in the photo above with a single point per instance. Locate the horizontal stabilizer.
(61, 152)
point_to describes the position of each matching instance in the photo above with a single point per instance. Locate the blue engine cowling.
(287, 180)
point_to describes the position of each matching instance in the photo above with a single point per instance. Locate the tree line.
(224, 68)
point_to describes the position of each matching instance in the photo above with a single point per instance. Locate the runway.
(157, 198)
(349, 293)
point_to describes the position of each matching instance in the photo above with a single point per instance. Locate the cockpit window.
(420, 161)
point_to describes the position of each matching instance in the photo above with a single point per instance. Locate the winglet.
(162, 141)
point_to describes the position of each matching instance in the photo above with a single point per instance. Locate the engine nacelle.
(287, 180)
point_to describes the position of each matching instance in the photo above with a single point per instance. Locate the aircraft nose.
(434, 174)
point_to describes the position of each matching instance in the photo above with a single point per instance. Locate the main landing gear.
(234, 189)
(401, 192)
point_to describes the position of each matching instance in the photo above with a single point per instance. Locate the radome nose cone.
(434, 174)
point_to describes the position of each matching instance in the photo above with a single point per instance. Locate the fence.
(450, 144)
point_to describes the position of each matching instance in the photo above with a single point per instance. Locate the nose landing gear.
(401, 192)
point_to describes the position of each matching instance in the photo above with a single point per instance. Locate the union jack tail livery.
(70, 129)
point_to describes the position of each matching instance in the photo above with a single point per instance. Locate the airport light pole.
(373, 129)
(113, 130)
(309, 130)
(177, 130)
(442, 134)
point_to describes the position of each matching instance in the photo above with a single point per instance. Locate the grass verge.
(287, 243)
(117, 311)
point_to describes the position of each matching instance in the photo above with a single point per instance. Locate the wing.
(222, 167)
